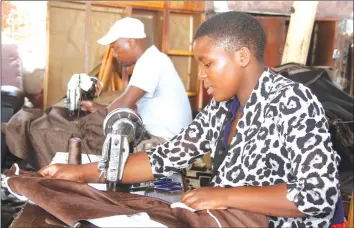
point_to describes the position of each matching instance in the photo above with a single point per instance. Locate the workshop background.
(45, 42)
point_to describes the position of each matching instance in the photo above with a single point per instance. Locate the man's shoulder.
(153, 57)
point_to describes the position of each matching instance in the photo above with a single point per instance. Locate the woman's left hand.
(206, 198)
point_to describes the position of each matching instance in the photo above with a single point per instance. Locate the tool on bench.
(163, 184)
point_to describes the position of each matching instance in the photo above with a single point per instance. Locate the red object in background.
(11, 66)
(11, 72)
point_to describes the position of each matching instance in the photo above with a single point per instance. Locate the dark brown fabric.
(36, 135)
(34, 216)
(71, 202)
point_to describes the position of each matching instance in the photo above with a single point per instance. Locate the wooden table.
(34, 216)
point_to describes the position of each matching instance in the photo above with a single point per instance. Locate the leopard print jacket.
(282, 137)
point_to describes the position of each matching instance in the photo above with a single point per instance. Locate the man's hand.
(91, 106)
(206, 198)
(63, 171)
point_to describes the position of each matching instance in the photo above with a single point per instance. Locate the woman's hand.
(63, 171)
(91, 106)
(206, 198)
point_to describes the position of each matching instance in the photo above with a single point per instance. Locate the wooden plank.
(125, 77)
(325, 44)
(135, 4)
(274, 28)
(192, 94)
(351, 212)
(299, 32)
(180, 31)
(178, 6)
(128, 11)
(165, 31)
(200, 86)
(46, 76)
(194, 6)
(179, 53)
(87, 36)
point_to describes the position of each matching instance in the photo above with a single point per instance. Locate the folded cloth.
(35, 135)
(72, 202)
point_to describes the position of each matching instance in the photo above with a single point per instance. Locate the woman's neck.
(249, 82)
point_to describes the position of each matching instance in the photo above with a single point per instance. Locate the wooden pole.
(299, 34)
(128, 11)
(200, 88)
(87, 37)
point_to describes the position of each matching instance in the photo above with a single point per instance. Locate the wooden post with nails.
(299, 34)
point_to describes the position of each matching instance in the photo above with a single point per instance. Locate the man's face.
(219, 69)
(122, 51)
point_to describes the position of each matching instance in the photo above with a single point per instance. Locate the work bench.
(33, 216)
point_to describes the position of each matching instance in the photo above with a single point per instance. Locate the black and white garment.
(282, 137)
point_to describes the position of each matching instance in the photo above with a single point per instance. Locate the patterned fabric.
(282, 137)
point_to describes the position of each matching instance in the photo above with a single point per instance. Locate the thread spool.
(74, 151)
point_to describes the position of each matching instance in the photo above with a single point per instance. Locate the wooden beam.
(87, 37)
(165, 29)
(46, 76)
(128, 11)
(299, 33)
(191, 6)
(192, 94)
(200, 87)
(179, 53)
(351, 212)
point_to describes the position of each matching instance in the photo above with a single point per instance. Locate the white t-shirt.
(164, 108)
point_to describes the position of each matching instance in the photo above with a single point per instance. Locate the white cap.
(124, 28)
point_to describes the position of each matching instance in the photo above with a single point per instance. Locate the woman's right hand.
(63, 171)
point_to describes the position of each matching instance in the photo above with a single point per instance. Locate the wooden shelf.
(192, 94)
(180, 53)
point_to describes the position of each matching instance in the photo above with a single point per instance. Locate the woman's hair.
(234, 30)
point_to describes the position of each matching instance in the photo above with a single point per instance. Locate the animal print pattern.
(282, 137)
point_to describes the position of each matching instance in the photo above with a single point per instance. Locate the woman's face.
(219, 69)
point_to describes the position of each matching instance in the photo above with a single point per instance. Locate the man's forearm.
(268, 200)
(128, 99)
(137, 169)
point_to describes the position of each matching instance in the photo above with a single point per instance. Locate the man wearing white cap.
(155, 87)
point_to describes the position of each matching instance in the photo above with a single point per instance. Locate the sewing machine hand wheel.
(124, 121)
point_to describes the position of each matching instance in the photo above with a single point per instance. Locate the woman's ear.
(244, 56)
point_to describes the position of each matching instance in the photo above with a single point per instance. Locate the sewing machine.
(123, 129)
(81, 87)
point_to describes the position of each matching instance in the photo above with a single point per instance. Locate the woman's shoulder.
(289, 88)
